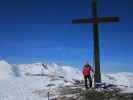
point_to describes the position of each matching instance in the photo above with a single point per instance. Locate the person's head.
(86, 64)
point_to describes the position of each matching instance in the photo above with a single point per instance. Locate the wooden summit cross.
(95, 21)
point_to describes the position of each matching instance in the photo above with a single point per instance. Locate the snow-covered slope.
(123, 78)
(5, 70)
(20, 82)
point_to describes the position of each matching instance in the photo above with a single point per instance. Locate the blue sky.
(41, 30)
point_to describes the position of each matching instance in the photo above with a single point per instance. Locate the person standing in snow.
(87, 75)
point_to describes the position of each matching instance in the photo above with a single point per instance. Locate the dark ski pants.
(86, 78)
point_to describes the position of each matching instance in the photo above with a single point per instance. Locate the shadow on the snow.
(16, 71)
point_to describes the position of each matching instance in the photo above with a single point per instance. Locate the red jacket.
(86, 71)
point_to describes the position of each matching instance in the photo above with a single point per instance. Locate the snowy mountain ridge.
(20, 82)
(69, 72)
(53, 69)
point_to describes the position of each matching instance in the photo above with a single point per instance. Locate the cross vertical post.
(96, 44)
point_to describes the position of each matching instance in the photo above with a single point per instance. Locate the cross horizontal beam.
(95, 20)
